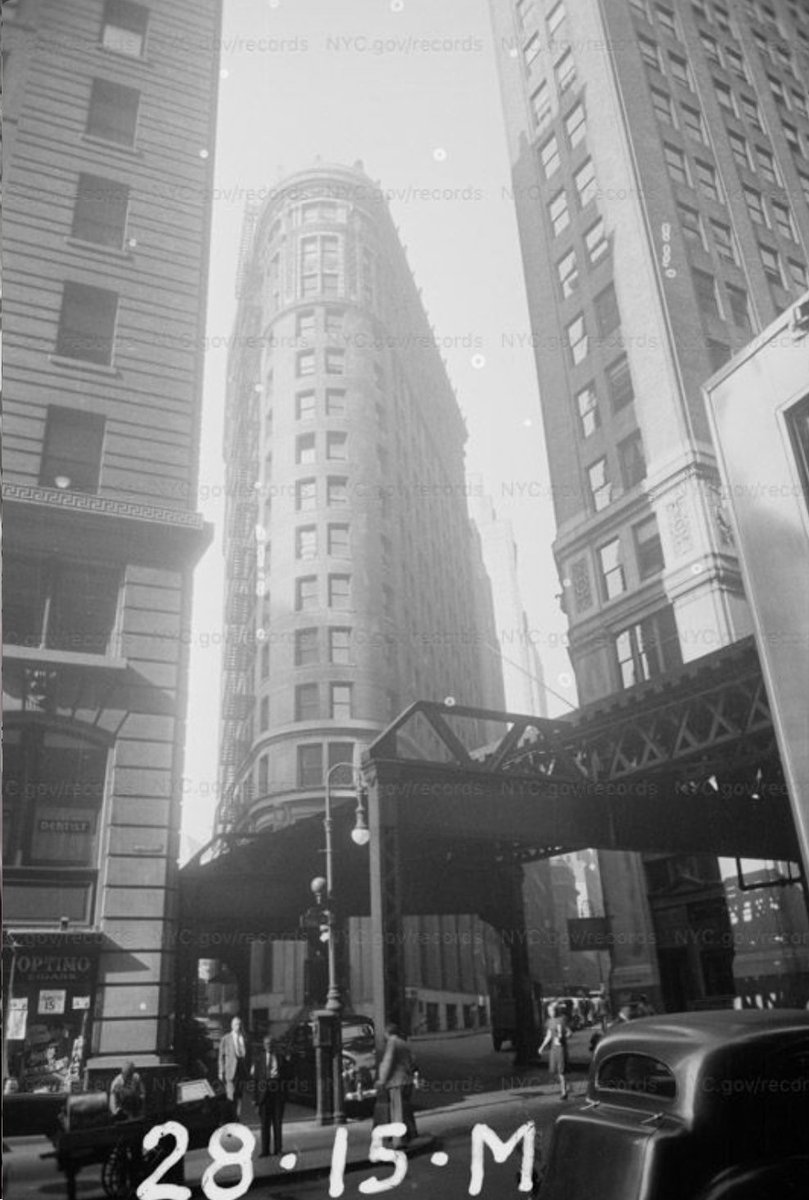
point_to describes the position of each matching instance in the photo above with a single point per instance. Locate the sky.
(409, 87)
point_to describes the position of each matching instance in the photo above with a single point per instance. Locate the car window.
(358, 1031)
(638, 1074)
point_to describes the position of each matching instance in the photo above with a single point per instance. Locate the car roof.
(694, 1045)
(704, 1030)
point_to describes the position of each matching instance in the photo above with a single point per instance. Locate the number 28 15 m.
(153, 1189)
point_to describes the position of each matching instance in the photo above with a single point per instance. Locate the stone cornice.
(101, 505)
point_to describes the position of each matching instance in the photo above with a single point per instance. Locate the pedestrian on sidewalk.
(233, 1064)
(270, 1074)
(557, 1036)
(396, 1073)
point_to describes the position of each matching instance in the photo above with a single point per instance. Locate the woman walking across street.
(557, 1035)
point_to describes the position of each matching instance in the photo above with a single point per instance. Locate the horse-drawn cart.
(89, 1135)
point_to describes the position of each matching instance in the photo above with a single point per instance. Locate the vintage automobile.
(359, 1061)
(693, 1106)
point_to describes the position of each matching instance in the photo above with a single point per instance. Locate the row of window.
(309, 701)
(648, 648)
(586, 188)
(564, 68)
(58, 605)
(336, 444)
(595, 247)
(689, 118)
(322, 269)
(736, 307)
(648, 552)
(312, 764)
(53, 792)
(575, 125)
(524, 9)
(333, 361)
(607, 319)
(631, 467)
(306, 322)
(308, 592)
(88, 314)
(338, 541)
(727, 57)
(306, 404)
(308, 646)
(306, 498)
(72, 450)
(771, 214)
(777, 53)
(619, 391)
(718, 16)
(311, 771)
(742, 104)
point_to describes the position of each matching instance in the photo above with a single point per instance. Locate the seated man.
(127, 1097)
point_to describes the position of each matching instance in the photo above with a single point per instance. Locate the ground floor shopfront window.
(49, 1011)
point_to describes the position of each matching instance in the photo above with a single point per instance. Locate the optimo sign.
(52, 968)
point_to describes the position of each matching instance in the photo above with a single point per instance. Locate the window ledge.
(122, 55)
(93, 139)
(83, 364)
(100, 247)
(62, 658)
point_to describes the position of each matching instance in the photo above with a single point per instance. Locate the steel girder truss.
(710, 717)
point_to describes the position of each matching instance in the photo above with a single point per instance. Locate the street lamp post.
(330, 1029)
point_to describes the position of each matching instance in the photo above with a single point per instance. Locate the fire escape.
(243, 493)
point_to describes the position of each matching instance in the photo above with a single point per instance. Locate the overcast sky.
(409, 87)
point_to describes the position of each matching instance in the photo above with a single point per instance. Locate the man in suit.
(233, 1064)
(396, 1077)
(270, 1074)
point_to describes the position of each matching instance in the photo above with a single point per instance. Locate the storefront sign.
(47, 968)
(61, 825)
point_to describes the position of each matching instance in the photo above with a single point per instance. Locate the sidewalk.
(312, 1145)
(308, 1147)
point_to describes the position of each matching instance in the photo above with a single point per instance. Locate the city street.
(405, 561)
(456, 1069)
(443, 1168)
(464, 1083)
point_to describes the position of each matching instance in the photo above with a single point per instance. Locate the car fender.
(785, 1180)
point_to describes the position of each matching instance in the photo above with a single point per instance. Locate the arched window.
(53, 791)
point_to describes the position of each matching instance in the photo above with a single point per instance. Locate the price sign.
(17, 1019)
(52, 1001)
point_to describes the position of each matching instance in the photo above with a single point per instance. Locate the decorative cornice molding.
(101, 505)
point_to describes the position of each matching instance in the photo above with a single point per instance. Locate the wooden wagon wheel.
(118, 1171)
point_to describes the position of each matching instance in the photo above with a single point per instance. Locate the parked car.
(694, 1106)
(359, 1061)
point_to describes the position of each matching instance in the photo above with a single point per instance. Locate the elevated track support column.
(387, 933)
(515, 934)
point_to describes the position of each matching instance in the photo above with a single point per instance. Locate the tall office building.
(523, 676)
(354, 582)
(658, 157)
(109, 131)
